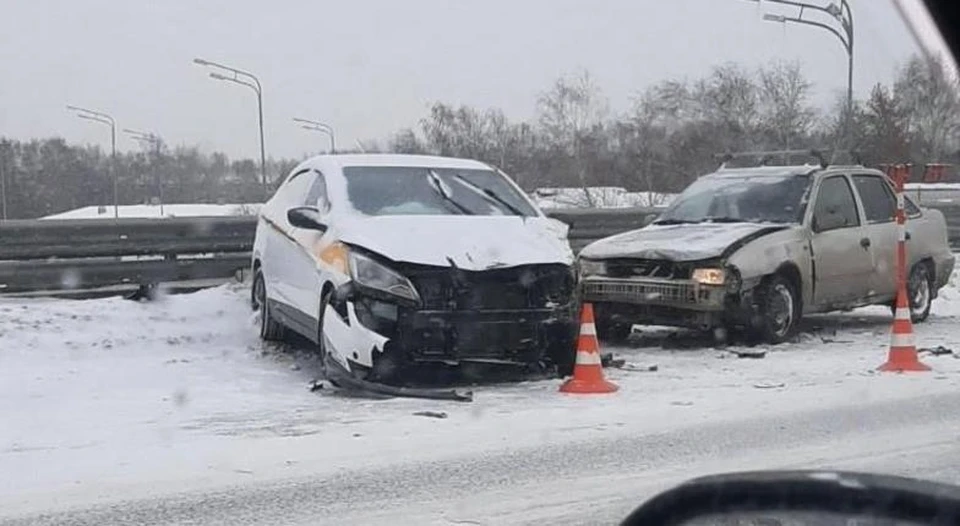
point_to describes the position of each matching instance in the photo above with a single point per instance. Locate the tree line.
(669, 136)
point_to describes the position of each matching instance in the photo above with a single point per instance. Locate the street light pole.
(244, 78)
(319, 127)
(3, 186)
(103, 118)
(153, 140)
(844, 15)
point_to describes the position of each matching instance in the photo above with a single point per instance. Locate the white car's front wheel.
(270, 329)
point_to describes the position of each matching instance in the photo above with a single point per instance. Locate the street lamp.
(842, 14)
(319, 127)
(244, 78)
(153, 140)
(103, 118)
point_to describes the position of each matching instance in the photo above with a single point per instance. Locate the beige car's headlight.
(709, 276)
(590, 267)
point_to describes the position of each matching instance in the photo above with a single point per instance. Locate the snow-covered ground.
(106, 400)
(169, 210)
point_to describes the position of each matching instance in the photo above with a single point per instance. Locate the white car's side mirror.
(307, 217)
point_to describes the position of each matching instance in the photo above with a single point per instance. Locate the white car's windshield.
(391, 190)
(776, 199)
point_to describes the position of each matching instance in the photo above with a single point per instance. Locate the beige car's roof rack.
(764, 158)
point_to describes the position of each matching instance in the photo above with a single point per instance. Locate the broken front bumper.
(523, 315)
(686, 294)
(660, 301)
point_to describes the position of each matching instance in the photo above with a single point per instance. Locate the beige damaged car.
(757, 248)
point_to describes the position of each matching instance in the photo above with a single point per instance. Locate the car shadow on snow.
(824, 328)
(303, 358)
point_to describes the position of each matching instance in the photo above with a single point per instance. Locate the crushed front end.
(524, 315)
(697, 294)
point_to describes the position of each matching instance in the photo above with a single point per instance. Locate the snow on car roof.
(377, 159)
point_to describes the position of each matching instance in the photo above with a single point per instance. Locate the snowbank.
(171, 210)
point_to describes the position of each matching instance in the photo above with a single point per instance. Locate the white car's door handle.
(865, 242)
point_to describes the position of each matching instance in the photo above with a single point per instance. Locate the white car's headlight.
(709, 276)
(368, 273)
(590, 267)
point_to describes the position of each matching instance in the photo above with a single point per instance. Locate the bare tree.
(884, 127)
(729, 98)
(569, 113)
(784, 110)
(932, 107)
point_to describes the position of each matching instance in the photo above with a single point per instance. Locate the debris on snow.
(431, 414)
(939, 350)
(769, 385)
(636, 368)
(750, 353)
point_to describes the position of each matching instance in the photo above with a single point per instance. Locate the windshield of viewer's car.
(759, 199)
(385, 191)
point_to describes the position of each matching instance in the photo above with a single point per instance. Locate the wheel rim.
(920, 292)
(780, 309)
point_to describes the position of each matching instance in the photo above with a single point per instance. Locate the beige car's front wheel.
(778, 310)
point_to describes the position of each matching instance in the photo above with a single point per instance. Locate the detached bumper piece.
(344, 380)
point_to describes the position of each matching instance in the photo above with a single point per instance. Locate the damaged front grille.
(524, 287)
(648, 268)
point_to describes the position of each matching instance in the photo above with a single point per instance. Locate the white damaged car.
(390, 262)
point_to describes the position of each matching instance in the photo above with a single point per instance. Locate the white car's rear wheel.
(270, 329)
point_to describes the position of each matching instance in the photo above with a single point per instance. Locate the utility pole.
(244, 78)
(318, 127)
(844, 15)
(151, 140)
(103, 118)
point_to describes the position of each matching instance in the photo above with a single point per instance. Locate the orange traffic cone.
(903, 350)
(588, 371)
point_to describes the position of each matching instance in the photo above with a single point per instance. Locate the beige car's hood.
(687, 242)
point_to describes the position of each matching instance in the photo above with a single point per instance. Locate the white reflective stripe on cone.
(901, 313)
(588, 358)
(900, 201)
(588, 329)
(901, 232)
(899, 340)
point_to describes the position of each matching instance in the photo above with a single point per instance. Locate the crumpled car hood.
(691, 242)
(470, 242)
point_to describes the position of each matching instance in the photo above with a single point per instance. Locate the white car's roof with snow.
(382, 159)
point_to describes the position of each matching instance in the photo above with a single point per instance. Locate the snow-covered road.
(171, 410)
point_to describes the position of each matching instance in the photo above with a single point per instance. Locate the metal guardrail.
(72, 255)
(58, 255)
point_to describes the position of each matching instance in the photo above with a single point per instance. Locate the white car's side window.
(317, 196)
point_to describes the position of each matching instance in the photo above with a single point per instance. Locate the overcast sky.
(370, 67)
